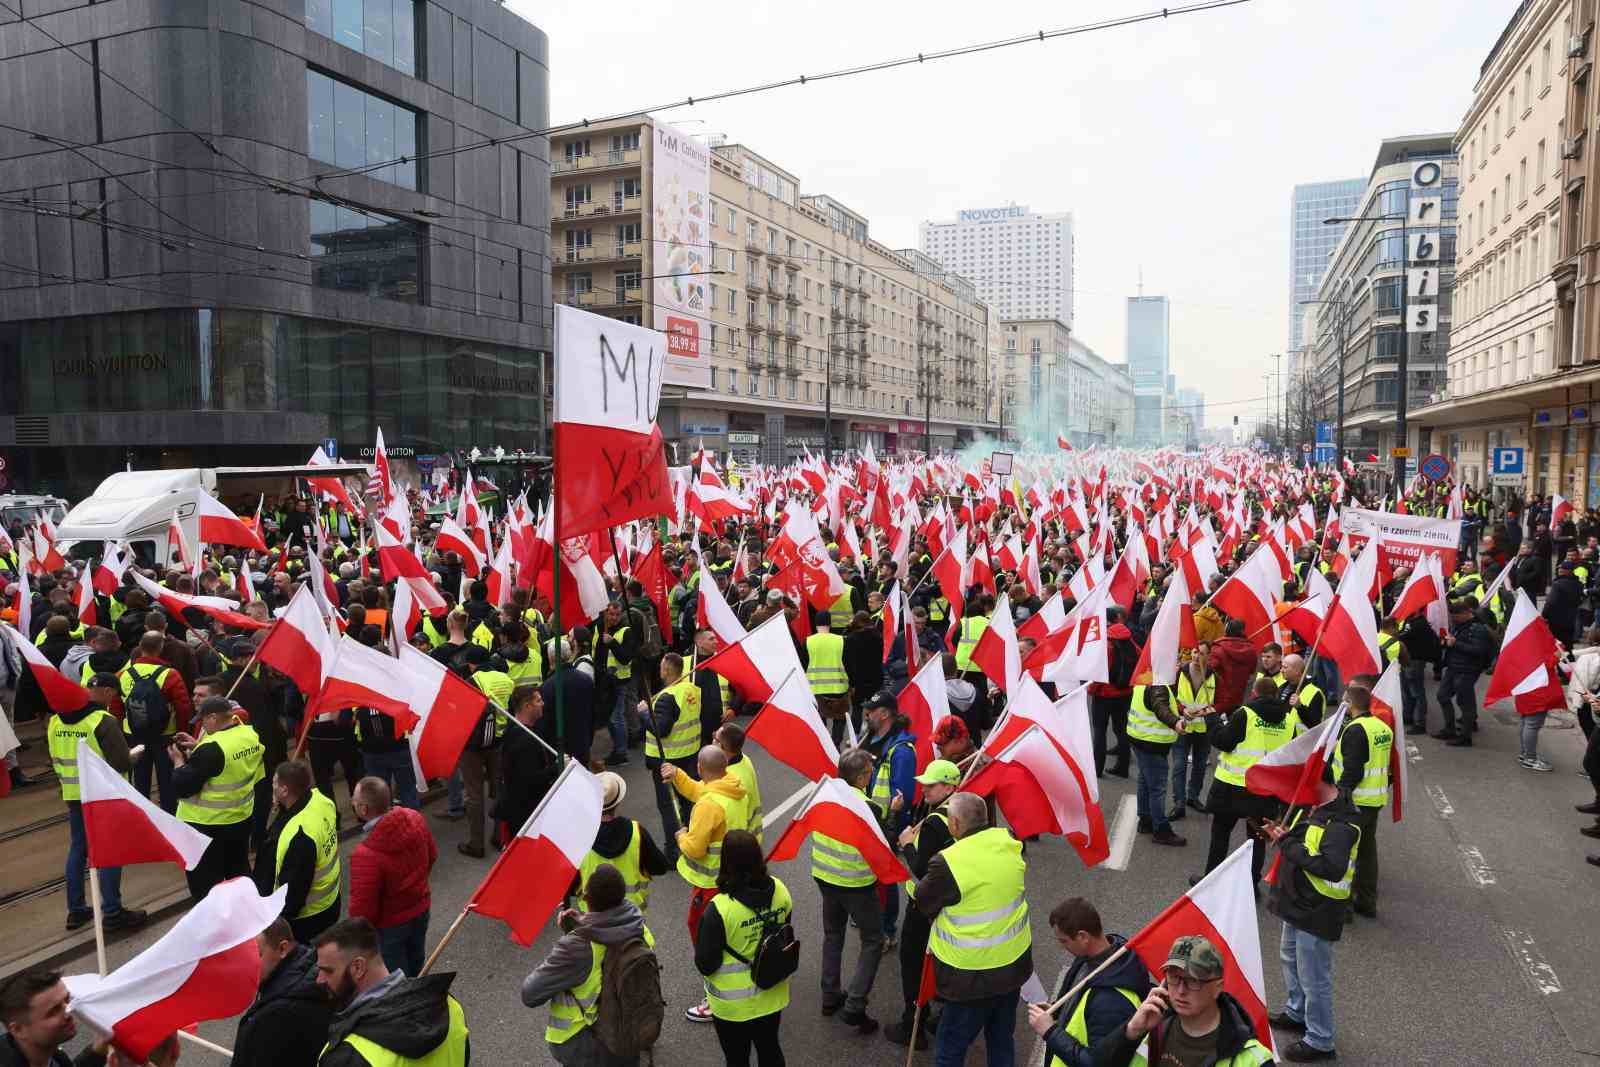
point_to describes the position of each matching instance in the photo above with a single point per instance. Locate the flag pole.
(247, 667)
(530, 731)
(195, 1039)
(99, 919)
(1056, 1005)
(916, 1019)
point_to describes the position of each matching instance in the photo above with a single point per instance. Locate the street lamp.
(1399, 465)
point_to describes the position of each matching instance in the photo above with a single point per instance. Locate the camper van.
(24, 509)
(137, 506)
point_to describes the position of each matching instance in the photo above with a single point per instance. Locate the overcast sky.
(1174, 144)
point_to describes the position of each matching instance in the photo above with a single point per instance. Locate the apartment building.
(808, 329)
(1061, 385)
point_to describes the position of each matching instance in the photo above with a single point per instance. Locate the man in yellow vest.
(1152, 731)
(1301, 693)
(1252, 730)
(1106, 1003)
(616, 648)
(301, 851)
(96, 727)
(569, 978)
(672, 738)
(215, 779)
(381, 1017)
(623, 844)
(1361, 768)
(479, 765)
(969, 630)
(849, 898)
(1189, 1000)
(825, 670)
(926, 837)
(730, 738)
(719, 806)
(982, 946)
(1196, 694)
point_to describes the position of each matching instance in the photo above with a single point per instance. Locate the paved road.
(1481, 954)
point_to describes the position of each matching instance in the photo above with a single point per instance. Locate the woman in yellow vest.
(749, 900)
(301, 851)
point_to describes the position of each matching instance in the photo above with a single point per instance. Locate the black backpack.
(777, 954)
(631, 1008)
(1124, 658)
(145, 707)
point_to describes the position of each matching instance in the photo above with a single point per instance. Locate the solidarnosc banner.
(1405, 538)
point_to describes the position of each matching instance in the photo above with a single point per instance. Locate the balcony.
(587, 299)
(630, 250)
(754, 286)
(836, 314)
(633, 294)
(597, 161)
(773, 366)
(791, 367)
(792, 332)
(581, 254)
(754, 323)
(754, 247)
(775, 289)
(837, 282)
(791, 297)
(753, 361)
(624, 205)
(791, 261)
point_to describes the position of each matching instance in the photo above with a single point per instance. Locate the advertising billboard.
(680, 212)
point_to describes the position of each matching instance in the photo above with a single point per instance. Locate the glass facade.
(366, 252)
(434, 393)
(351, 128)
(386, 30)
(1310, 242)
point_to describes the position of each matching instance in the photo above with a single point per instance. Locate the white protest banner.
(1405, 538)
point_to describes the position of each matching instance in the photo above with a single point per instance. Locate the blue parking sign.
(1508, 461)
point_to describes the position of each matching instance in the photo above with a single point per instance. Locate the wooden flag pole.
(99, 919)
(443, 941)
(1056, 1005)
(195, 1039)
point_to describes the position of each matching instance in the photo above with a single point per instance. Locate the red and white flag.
(86, 601)
(328, 487)
(1250, 594)
(299, 645)
(113, 565)
(532, 874)
(219, 608)
(206, 967)
(843, 813)
(388, 489)
(124, 828)
(583, 587)
(1388, 704)
(61, 693)
(1170, 634)
(1560, 510)
(1423, 589)
(714, 613)
(1305, 616)
(1526, 668)
(444, 712)
(220, 526)
(1222, 909)
(996, 653)
(452, 538)
(926, 702)
(178, 541)
(1350, 632)
(764, 667)
(1293, 772)
(800, 544)
(498, 576)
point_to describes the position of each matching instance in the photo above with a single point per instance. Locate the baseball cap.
(1195, 957)
(613, 788)
(881, 699)
(940, 772)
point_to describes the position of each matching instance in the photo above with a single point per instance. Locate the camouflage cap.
(1195, 957)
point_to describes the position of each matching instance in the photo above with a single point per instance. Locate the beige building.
(809, 323)
(1504, 347)
(1053, 383)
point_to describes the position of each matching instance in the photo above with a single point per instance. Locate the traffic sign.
(1399, 453)
(1508, 461)
(330, 447)
(1435, 468)
(1305, 448)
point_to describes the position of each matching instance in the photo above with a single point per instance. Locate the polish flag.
(1062, 443)
(1350, 633)
(583, 587)
(206, 967)
(299, 645)
(323, 590)
(396, 560)
(24, 599)
(1305, 616)
(86, 604)
(764, 667)
(498, 577)
(841, 812)
(1425, 592)
(388, 489)
(1388, 703)
(892, 618)
(1029, 570)
(218, 608)
(1049, 619)
(220, 526)
(531, 877)
(1086, 656)
(45, 556)
(246, 583)
(61, 693)
(800, 543)
(926, 702)
(124, 828)
(1170, 634)
(113, 565)
(611, 464)
(1198, 563)
(714, 613)
(444, 709)
(996, 653)
(1526, 669)
(1250, 594)
(1560, 510)
(176, 539)
(1222, 909)
(328, 487)
(1293, 772)
(452, 538)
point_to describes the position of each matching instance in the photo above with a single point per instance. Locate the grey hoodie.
(961, 693)
(569, 961)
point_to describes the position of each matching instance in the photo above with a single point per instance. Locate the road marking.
(1441, 802)
(1476, 866)
(771, 817)
(1037, 1059)
(1534, 966)
(1413, 753)
(1123, 832)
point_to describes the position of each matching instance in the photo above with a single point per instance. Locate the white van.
(22, 509)
(137, 506)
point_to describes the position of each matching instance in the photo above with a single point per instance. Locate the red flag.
(1250, 594)
(1350, 634)
(926, 702)
(1170, 634)
(444, 712)
(299, 645)
(61, 693)
(123, 828)
(842, 812)
(329, 487)
(1560, 510)
(1293, 772)
(651, 572)
(996, 653)
(219, 608)
(764, 667)
(86, 602)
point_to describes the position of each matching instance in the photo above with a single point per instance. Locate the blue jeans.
(78, 863)
(402, 945)
(455, 796)
(1308, 976)
(1189, 756)
(891, 908)
(618, 727)
(155, 753)
(395, 768)
(1459, 688)
(1413, 698)
(1151, 789)
(963, 1020)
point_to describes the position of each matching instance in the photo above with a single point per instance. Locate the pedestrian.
(1108, 701)
(1241, 739)
(826, 674)
(1187, 1018)
(1231, 661)
(1466, 655)
(1196, 694)
(1361, 769)
(1300, 692)
(894, 769)
(718, 800)
(1562, 603)
(150, 687)
(382, 1017)
(33, 1008)
(569, 978)
(478, 769)
(287, 1023)
(975, 896)
(301, 851)
(389, 873)
(215, 778)
(623, 844)
(528, 768)
(730, 737)
(385, 754)
(572, 730)
(749, 901)
(616, 650)
(849, 891)
(98, 728)
(672, 740)
(926, 837)
(1310, 894)
(1152, 728)
(1113, 992)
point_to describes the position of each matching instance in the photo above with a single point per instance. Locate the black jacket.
(11, 1056)
(1294, 899)
(1234, 1029)
(1226, 732)
(299, 862)
(527, 770)
(1472, 648)
(611, 840)
(287, 1024)
(863, 661)
(412, 1019)
(711, 939)
(1560, 608)
(1107, 1011)
(577, 708)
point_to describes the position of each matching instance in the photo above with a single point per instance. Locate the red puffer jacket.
(1233, 661)
(389, 870)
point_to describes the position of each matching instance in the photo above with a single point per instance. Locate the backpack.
(1124, 658)
(777, 954)
(631, 1008)
(145, 706)
(650, 646)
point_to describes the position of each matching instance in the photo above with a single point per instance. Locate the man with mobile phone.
(1188, 1019)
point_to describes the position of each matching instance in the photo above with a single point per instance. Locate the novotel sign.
(991, 214)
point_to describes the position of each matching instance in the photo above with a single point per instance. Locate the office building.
(1310, 242)
(346, 258)
(1020, 261)
(1149, 347)
(1063, 386)
(1193, 404)
(807, 322)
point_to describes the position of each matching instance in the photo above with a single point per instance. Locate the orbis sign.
(991, 214)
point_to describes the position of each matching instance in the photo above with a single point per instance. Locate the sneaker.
(617, 759)
(831, 1007)
(1536, 764)
(860, 1021)
(1300, 1052)
(126, 919)
(76, 920)
(1591, 808)
(1197, 805)
(1284, 1021)
(1167, 837)
(700, 1013)
(1145, 827)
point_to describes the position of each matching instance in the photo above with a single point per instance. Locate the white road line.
(1413, 754)
(1477, 868)
(1534, 966)
(1441, 802)
(1123, 833)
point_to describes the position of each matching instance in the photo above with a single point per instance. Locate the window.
(733, 380)
(1497, 124)
(1538, 166)
(1508, 195)
(1386, 294)
(366, 252)
(1544, 65)
(755, 385)
(1522, 180)
(629, 142)
(1527, 87)
(1535, 264)
(733, 221)
(386, 30)
(350, 128)
(1511, 109)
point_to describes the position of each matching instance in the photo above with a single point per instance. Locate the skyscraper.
(1021, 262)
(1310, 242)
(1149, 360)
